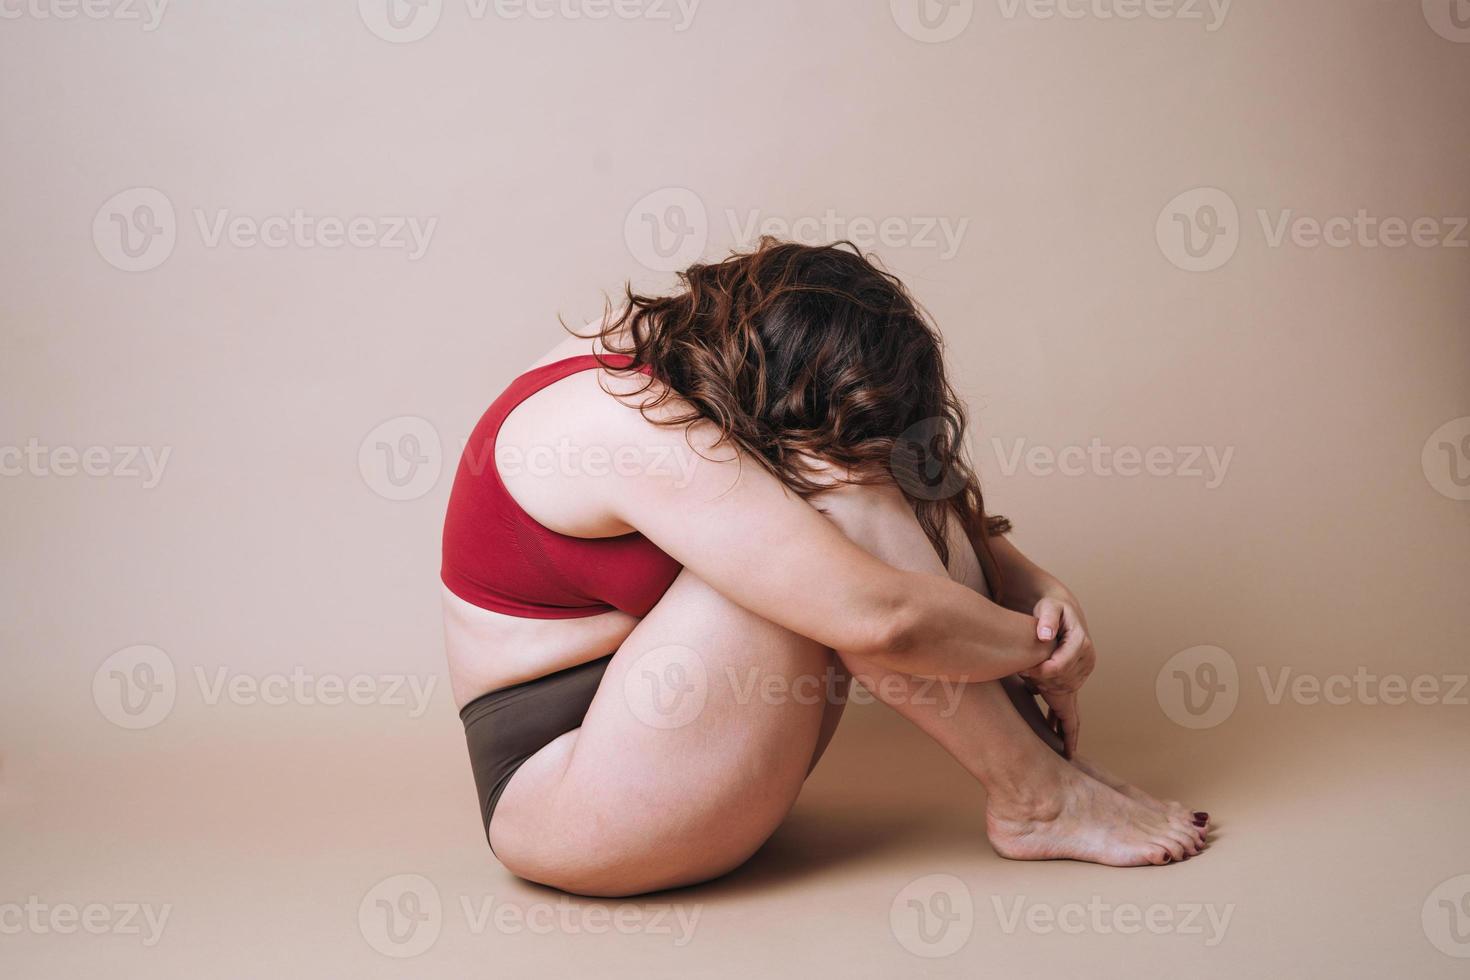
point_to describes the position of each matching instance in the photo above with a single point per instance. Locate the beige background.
(541, 149)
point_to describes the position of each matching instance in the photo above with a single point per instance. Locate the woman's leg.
(1038, 805)
(693, 751)
(709, 719)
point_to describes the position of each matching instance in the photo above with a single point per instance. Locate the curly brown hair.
(799, 353)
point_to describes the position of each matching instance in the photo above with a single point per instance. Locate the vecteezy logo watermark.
(401, 458)
(1207, 463)
(136, 230)
(404, 21)
(667, 230)
(1446, 459)
(403, 916)
(1450, 19)
(932, 21)
(135, 687)
(1446, 917)
(1211, 13)
(1198, 687)
(116, 462)
(1199, 230)
(148, 12)
(400, 21)
(933, 916)
(920, 460)
(40, 918)
(1102, 918)
(666, 687)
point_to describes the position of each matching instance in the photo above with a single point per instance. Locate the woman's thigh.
(693, 751)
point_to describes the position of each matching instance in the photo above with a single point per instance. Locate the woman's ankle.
(1036, 790)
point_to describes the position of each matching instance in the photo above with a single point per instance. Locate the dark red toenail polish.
(1201, 816)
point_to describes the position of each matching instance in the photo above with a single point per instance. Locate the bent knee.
(636, 852)
(864, 514)
(880, 520)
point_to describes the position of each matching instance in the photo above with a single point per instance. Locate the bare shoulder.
(646, 411)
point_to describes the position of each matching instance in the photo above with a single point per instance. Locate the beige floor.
(265, 833)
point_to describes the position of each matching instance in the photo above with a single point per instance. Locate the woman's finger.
(1060, 664)
(1048, 614)
(1071, 618)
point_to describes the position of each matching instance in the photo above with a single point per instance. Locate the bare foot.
(1026, 705)
(1172, 808)
(1079, 818)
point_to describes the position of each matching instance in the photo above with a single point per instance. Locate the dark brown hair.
(797, 352)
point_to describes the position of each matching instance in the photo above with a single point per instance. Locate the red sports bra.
(497, 557)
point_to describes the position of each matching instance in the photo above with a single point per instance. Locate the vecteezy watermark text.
(1362, 230)
(564, 458)
(1363, 686)
(304, 688)
(941, 234)
(304, 230)
(406, 21)
(118, 462)
(1103, 918)
(149, 13)
(34, 916)
(837, 687)
(1210, 13)
(1208, 463)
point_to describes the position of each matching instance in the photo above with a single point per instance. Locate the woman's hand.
(1061, 717)
(1058, 678)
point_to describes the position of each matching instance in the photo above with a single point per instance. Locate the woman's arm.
(1058, 617)
(742, 531)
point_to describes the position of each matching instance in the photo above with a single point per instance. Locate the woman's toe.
(1186, 841)
(1174, 846)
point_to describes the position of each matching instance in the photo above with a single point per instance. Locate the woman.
(672, 531)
